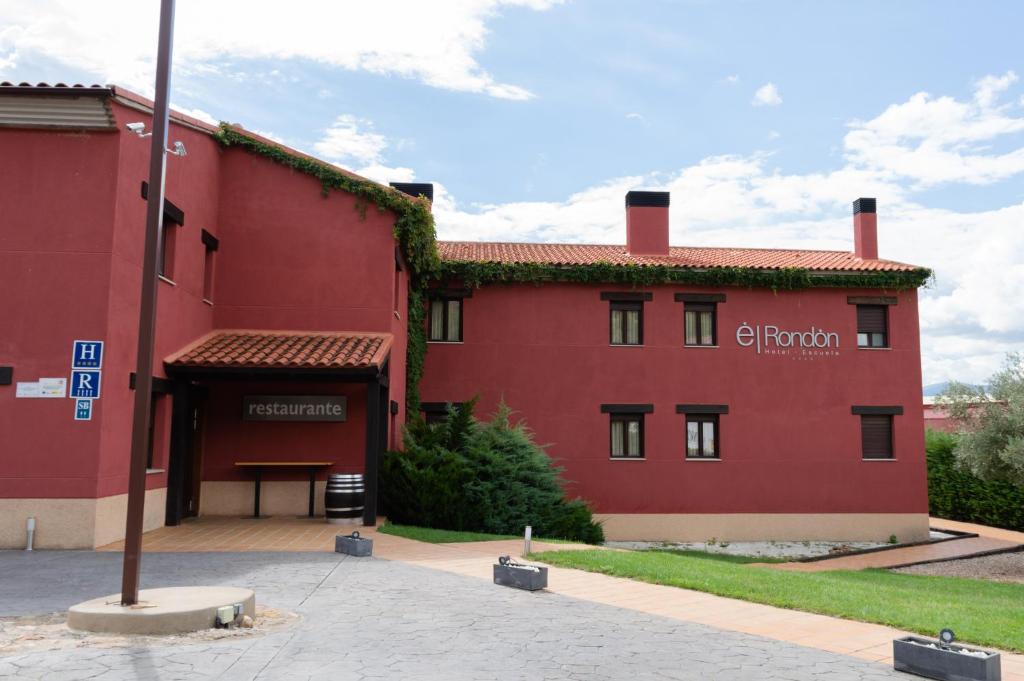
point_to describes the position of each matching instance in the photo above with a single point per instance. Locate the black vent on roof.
(863, 206)
(416, 189)
(647, 199)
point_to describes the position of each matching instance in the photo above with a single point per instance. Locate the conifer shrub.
(481, 476)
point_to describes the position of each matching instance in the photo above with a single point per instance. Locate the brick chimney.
(647, 223)
(865, 229)
(416, 189)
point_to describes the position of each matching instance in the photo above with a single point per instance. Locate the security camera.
(178, 150)
(138, 128)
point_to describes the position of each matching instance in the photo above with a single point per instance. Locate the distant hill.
(935, 388)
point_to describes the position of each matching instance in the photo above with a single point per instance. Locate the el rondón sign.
(294, 408)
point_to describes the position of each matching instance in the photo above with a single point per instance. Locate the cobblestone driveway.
(376, 619)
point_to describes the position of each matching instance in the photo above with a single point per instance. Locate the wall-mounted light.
(178, 150)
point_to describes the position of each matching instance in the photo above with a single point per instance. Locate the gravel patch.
(1000, 567)
(763, 549)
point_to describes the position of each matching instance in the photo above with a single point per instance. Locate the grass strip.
(981, 612)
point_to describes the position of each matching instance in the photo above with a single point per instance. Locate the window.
(626, 316)
(627, 436)
(876, 436)
(167, 243)
(700, 324)
(700, 318)
(626, 429)
(446, 320)
(627, 323)
(876, 430)
(872, 326)
(211, 245)
(702, 436)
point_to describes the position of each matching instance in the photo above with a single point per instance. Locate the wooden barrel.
(344, 498)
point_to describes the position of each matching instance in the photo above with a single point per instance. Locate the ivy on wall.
(479, 273)
(414, 231)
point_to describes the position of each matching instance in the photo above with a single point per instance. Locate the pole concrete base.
(173, 610)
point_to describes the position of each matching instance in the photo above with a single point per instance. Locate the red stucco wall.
(789, 443)
(71, 240)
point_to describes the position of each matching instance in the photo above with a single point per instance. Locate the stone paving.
(377, 619)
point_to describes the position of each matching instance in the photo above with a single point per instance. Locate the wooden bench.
(259, 466)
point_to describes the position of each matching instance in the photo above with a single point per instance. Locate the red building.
(689, 393)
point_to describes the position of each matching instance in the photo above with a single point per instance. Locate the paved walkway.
(869, 642)
(365, 618)
(989, 540)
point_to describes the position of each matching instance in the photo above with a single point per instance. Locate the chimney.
(416, 189)
(865, 229)
(647, 223)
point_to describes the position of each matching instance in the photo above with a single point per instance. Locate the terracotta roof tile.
(244, 349)
(678, 256)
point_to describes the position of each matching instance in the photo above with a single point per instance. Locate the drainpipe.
(30, 530)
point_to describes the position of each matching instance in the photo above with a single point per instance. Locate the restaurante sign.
(771, 340)
(294, 408)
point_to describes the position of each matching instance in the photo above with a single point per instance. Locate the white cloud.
(351, 142)
(987, 89)
(931, 140)
(434, 42)
(733, 78)
(767, 95)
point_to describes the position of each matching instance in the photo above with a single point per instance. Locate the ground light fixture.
(139, 128)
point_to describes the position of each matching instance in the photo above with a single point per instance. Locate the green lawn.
(980, 612)
(432, 536)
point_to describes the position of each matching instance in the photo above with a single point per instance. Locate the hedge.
(956, 494)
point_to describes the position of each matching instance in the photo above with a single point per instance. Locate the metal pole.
(147, 312)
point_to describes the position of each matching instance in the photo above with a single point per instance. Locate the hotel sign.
(294, 408)
(769, 339)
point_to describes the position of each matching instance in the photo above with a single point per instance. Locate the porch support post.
(372, 451)
(181, 441)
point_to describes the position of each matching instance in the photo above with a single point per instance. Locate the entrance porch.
(254, 410)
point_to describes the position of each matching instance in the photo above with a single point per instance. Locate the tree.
(991, 424)
(484, 476)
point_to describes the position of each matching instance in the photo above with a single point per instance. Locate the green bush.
(954, 493)
(480, 476)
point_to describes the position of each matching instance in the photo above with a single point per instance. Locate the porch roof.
(249, 349)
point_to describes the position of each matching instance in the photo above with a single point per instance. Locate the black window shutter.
(876, 436)
(871, 319)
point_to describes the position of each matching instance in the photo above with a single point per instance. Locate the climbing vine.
(476, 274)
(414, 230)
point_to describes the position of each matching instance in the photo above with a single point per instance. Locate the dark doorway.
(184, 471)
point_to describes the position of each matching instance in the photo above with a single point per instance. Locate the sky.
(533, 118)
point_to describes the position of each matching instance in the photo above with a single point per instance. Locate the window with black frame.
(626, 429)
(699, 324)
(700, 318)
(627, 321)
(627, 434)
(702, 436)
(876, 430)
(876, 436)
(872, 326)
(445, 324)
(626, 316)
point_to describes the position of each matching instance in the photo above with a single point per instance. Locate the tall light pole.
(147, 311)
